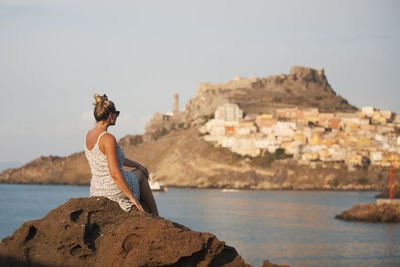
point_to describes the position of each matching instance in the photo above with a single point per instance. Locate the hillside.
(73, 169)
(183, 159)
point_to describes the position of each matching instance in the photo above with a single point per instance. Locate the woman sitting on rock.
(106, 159)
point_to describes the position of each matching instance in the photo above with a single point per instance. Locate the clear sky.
(54, 55)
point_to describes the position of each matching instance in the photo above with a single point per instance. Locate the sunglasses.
(115, 112)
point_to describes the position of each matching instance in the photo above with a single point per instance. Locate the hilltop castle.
(303, 88)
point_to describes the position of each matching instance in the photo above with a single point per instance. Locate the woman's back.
(101, 183)
(92, 137)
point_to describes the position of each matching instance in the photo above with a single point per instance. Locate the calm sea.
(289, 227)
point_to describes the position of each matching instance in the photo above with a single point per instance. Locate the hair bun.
(98, 98)
(103, 107)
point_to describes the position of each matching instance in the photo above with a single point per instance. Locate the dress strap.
(100, 135)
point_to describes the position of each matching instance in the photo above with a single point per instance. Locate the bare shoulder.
(108, 139)
(107, 143)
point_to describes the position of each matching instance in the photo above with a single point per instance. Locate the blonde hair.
(102, 107)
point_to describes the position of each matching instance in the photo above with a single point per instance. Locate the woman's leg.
(146, 195)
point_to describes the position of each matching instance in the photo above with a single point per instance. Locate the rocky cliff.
(303, 87)
(96, 232)
(385, 213)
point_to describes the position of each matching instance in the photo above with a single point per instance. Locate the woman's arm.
(109, 145)
(134, 164)
(131, 163)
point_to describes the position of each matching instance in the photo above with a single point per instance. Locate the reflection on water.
(289, 227)
(390, 233)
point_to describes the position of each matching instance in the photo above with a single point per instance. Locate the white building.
(369, 111)
(263, 143)
(376, 156)
(229, 112)
(284, 128)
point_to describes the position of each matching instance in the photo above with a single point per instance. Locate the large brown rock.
(96, 232)
(385, 213)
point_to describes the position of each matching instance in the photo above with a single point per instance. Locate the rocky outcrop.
(73, 169)
(385, 213)
(96, 232)
(131, 140)
(161, 124)
(303, 87)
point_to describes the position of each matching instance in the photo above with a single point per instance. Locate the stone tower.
(176, 103)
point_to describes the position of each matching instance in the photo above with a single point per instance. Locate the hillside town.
(362, 138)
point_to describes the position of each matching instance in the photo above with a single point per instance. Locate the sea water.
(286, 227)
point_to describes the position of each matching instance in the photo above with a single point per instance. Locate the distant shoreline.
(220, 188)
(1, 182)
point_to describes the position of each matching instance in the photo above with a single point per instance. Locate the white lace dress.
(102, 184)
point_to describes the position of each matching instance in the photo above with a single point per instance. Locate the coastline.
(182, 159)
(217, 188)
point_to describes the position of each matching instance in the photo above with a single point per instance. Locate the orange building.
(230, 130)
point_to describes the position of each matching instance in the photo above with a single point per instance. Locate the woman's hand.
(136, 165)
(137, 204)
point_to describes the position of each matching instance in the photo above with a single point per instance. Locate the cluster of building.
(367, 136)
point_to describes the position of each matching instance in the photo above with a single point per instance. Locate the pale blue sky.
(54, 55)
